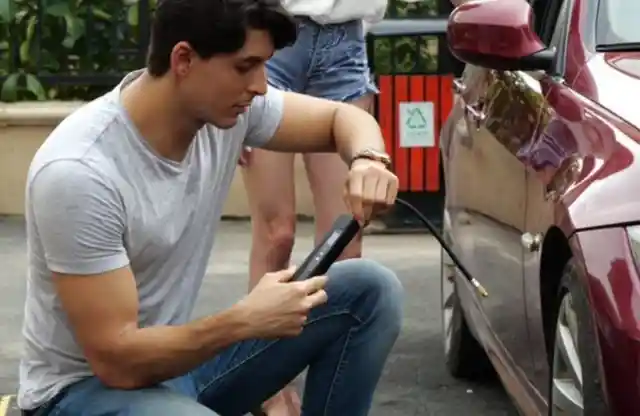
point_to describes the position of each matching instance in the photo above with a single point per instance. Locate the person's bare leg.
(269, 183)
(270, 186)
(327, 174)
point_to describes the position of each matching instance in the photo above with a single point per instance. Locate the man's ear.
(182, 58)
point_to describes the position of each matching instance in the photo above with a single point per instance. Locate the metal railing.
(87, 48)
(414, 71)
(408, 56)
(425, 41)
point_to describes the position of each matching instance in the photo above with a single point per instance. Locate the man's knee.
(377, 292)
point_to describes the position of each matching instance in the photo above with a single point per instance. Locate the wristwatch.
(373, 154)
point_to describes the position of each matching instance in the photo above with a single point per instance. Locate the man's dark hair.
(214, 27)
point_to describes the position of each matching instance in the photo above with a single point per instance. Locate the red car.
(543, 202)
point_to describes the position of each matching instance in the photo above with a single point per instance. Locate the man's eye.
(243, 69)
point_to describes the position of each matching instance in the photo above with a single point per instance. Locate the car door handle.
(458, 86)
(551, 194)
(531, 241)
(475, 113)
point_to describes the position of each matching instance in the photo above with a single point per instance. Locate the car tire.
(464, 356)
(572, 301)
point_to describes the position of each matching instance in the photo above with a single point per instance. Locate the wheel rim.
(447, 296)
(566, 394)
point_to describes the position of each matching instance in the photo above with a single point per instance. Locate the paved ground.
(415, 381)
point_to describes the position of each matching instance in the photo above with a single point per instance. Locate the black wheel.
(464, 356)
(575, 386)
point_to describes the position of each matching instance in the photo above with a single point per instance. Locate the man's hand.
(277, 307)
(370, 189)
(245, 155)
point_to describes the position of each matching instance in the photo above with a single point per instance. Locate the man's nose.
(258, 85)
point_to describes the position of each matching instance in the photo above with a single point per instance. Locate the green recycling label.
(416, 124)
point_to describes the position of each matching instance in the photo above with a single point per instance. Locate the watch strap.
(373, 155)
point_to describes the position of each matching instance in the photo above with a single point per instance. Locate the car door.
(551, 160)
(486, 203)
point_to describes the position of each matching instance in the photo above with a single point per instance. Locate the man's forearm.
(355, 130)
(147, 356)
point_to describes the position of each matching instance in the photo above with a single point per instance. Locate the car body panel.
(485, 202)
(610, 143)
(614, 286)
(555, 155)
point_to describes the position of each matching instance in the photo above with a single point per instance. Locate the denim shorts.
(327, 61)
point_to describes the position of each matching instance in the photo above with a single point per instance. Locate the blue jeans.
(327, 61)
(344, 345)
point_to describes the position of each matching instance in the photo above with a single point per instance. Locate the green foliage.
(407, 54)
(69, 37)
(85, 39)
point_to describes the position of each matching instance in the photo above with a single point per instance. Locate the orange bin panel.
(418, 169)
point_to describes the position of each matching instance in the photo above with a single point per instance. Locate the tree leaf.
(132, 15)
(35, 87)
(31, 27)
(99, 13)
(58, 9)
(25, 48)
(75, 30)
(6, 10)
(9, 92)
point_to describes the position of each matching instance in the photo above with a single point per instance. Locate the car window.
(539, 7)
(559, 35)
(618, 22)
(547, 20)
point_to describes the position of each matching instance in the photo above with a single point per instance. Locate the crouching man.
(123, 202)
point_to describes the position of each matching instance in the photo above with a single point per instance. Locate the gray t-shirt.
(99, 198)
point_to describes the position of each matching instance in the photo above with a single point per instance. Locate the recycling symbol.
(416, 119)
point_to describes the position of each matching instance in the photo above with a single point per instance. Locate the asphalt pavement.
(415, 381)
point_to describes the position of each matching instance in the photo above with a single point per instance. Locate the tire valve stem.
(483, 292)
